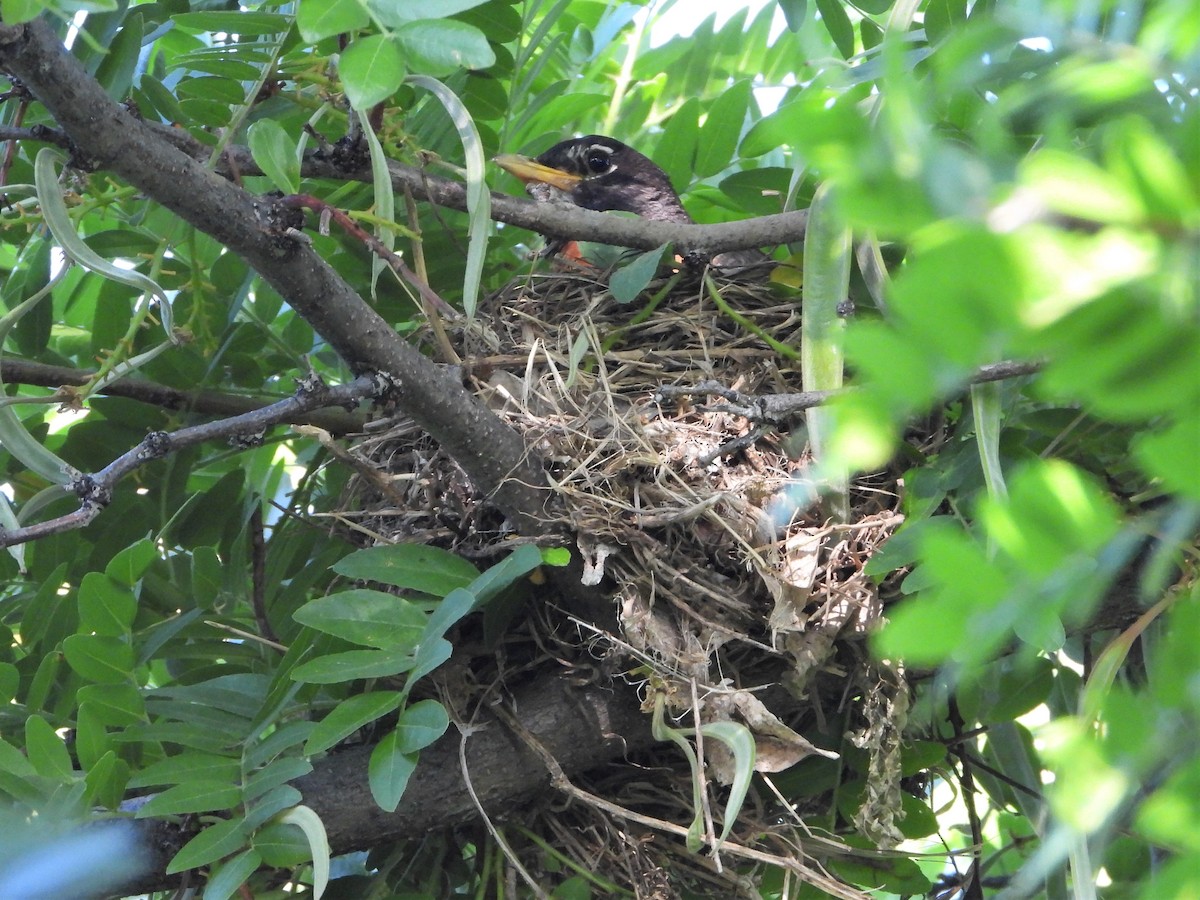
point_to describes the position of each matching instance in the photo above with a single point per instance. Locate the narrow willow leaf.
(314, 829)
(827, 248)
(54, 212)
(385, 200)
(985, 405)
(661, 731)
(740, 742)
(479, 201)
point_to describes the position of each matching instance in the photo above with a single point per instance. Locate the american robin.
(601, 173)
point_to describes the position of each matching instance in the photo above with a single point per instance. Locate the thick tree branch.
(493, 454)
(212, 403)
(582, 728)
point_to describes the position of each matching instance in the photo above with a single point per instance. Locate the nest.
(726, 576)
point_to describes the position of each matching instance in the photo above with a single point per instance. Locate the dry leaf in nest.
(777, 746)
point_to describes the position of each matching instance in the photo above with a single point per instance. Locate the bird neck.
(664, 206)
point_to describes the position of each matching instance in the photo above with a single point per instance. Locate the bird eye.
(598, 162)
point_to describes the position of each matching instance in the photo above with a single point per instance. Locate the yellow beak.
(531, 171)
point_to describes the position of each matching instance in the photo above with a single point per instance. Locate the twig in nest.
(560, 781)
(782, 409)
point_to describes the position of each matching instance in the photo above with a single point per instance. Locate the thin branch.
(554, 219)
(372, 243)
(782, 409)
(213, 403)
(95, 491)
(41, 133)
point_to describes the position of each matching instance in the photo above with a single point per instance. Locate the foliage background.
(1028, 173)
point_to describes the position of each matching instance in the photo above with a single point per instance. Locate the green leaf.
(631, 279)
(15, 762)
(215, 842)
(274, 775)
(431, 653)
(190, 765)
(282, 846)
(1053, 512)
(371, 69)
(28, 280)
(794, 12)
(420, 725)
(352, 664)
(10, 680)
(115, 72)
(164, 101)
(318, 19)
(114, 704)
(129, 564)
(231, 875)
(193, 796)
(106, 606)
(14, 12)
(442, 46)
(46, 750)
(91, 737)
(243, 22)
(99, 658)
(1169, 452)
(367, 617)
(722, 129)
(392, 15)
(1074, 186)
(106, 781)
(277, 799)
(275, 154)
(837, 23)
(936, 624)
(505, 573)
(675, 152)
(349, 716)
(388, 773)
(942, 16)
(416, 567)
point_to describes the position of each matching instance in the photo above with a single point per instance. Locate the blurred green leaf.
(837, 23)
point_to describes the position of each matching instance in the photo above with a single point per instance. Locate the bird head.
(601, 173)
